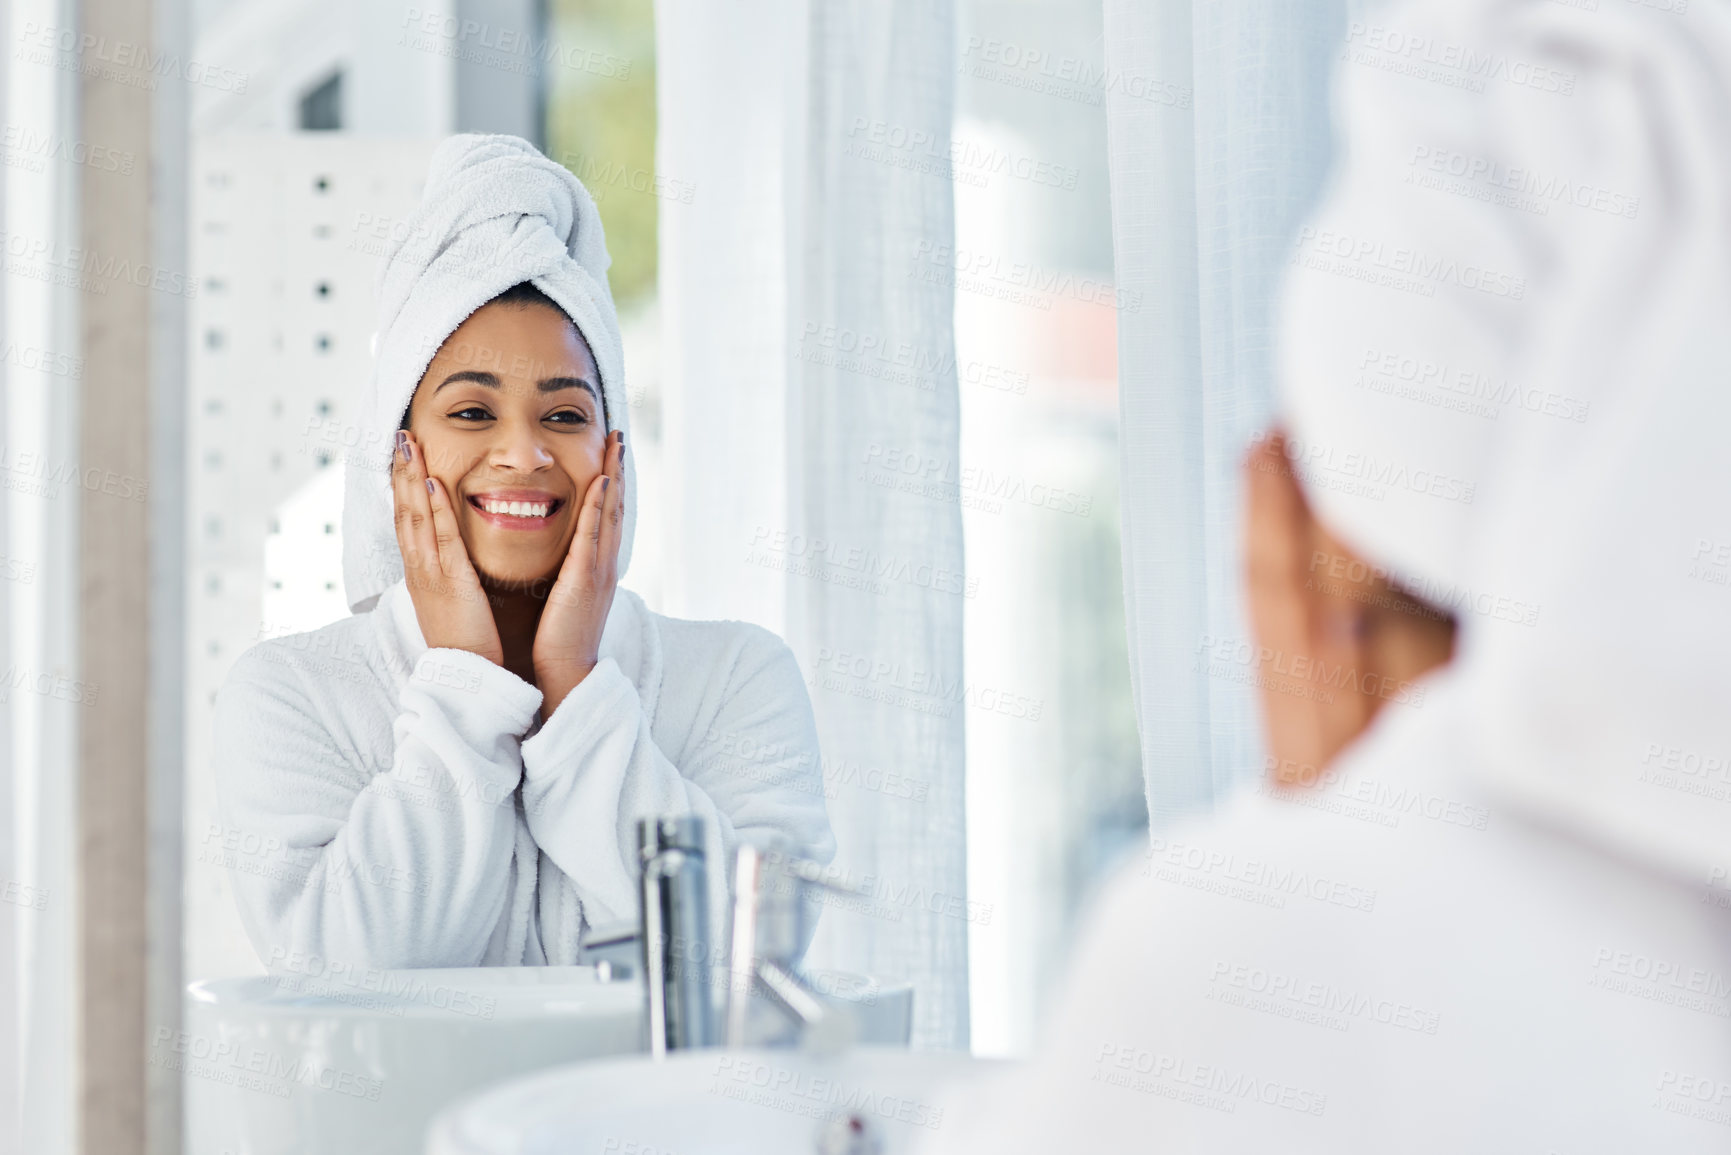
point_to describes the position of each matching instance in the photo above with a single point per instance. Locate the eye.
(471, 413)
(573, 417)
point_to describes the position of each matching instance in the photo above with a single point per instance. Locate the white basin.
(286, 1065)
(710, 1102)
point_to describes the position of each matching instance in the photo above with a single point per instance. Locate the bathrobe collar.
(630, 639)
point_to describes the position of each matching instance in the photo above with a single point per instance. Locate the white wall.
(409, 69)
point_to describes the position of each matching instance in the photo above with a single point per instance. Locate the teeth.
(518, 508)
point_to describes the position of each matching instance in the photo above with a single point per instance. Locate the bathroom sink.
(292, 1065)
(286, 1065)
(713, 1102)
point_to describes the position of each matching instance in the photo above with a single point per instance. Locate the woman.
(452, 776)
(1490, 913)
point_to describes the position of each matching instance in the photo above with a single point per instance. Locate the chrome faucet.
(768, 929)
(675, 900)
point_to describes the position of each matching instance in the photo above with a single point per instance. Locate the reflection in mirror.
(703, 480)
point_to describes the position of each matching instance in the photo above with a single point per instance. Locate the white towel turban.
(1506, 371)
(494, 212)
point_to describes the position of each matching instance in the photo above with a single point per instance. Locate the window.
(321, 109)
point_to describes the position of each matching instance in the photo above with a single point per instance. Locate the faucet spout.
(766, 912)
(675, 901)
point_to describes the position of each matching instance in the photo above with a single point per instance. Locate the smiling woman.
(522, 460)
(453, 775)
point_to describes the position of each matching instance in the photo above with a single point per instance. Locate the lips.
(525, 509)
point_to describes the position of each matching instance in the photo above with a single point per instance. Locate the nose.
(519, 446)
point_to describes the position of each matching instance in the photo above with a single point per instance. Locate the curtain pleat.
(1217, 120)
(808, 324)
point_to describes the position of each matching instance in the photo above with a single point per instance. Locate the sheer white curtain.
(807, 318)
(1218, 135)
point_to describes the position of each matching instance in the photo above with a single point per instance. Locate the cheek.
(446, 461)
(582, 463)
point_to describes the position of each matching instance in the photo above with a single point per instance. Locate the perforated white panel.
(285, 236)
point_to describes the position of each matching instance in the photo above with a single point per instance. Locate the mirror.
(864, 362)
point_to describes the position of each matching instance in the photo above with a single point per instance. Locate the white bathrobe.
(1502, 923)
(391, 805)
(388, 805)
(1391, 962)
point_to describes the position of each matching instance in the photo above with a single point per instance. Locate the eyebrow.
(491, 381)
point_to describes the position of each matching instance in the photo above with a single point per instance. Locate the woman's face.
(509, 419)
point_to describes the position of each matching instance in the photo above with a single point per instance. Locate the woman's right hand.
(449, 601)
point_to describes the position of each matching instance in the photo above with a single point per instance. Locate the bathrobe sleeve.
(405, 865)
(750, 768)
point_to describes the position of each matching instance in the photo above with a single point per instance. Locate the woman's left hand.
(568, 640)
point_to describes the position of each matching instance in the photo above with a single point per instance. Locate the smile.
(516, 512)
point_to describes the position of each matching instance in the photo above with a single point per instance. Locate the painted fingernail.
(429, 485)
(402, 445)
(605, 481)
